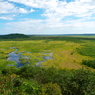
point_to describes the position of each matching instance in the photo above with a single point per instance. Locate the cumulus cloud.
(85, 1)
(56, 12)
(73, 8)
(78, 7)
(52, 8)
(7, 17)
(31, 26)
(39, 26)
(6, 7)
(37, 3)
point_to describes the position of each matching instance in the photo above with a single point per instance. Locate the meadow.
(70, 56)
(66, 52)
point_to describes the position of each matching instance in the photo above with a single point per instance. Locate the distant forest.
(52, 37)
(13, 36)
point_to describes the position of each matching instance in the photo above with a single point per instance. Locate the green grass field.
(66, 53)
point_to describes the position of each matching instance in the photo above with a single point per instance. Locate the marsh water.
(13, 56)
(45, 58)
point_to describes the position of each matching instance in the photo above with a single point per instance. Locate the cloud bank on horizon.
(47, 16)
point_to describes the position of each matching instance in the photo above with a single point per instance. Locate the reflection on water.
(48, 57)
(39, 63)
(16, 57)
(45, 58)
(13, 56)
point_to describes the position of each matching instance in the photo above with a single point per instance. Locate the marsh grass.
(87, 50)
(57, 76)
(89, 63)
(66, 53)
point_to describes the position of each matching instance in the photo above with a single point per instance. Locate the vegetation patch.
(64, 75)
(89, 63)
(87, 50)
(30, 80)
(13, 36)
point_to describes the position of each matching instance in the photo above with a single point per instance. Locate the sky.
(47, 16)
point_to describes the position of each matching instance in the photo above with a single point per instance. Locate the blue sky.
(47, 16)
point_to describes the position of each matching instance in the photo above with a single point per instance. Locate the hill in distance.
(14, 36)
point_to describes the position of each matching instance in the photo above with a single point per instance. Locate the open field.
(66, 65)
(66, 53)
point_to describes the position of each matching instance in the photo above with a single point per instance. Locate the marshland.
(47, 65)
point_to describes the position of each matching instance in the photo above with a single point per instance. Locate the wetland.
(65, 64)
(22, 60)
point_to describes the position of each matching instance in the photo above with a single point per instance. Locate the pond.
(13, 56)
(16, 57)
(45, 58)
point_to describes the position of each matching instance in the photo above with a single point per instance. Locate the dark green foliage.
(30, 86)
(47, 38)
(75, 82)
(30, 80)
(87, 50)
(80, 83)
(59, 38)
(50, 89)
(89, 63)
(13, 36)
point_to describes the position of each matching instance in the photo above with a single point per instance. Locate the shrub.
(89, 63)
(50, 89)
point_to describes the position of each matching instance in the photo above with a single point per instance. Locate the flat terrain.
(47, 65)
(67, 52)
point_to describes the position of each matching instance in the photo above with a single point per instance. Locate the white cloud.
(78, 7)
(22, 10)
(85, 1)
(6, 7)
(31, 26)
(7, 17)
(53, 9)
(55, 12)
(37, 3)
(72, 8)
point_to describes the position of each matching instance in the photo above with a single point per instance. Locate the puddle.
(13, 56)
(39, 63)
(17, 57)
(48, 57)
(45, 58)
(12, 47)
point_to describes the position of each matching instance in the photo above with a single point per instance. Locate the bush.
(89, 63)
(50, 89)
(35, 80)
